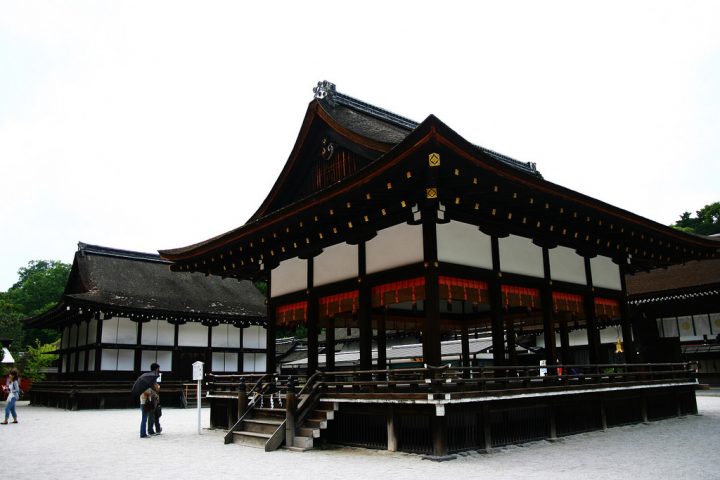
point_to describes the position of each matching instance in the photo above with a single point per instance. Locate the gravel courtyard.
(104, 444)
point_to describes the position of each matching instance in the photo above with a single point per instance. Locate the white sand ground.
(56, 444)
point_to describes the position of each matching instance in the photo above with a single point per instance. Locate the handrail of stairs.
(311, 392)
(277, 438)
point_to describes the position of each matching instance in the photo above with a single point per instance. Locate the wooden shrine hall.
(123, 310)
(385, 225)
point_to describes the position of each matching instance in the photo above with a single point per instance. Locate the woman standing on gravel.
(13, 388)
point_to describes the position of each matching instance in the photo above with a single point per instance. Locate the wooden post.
(330, 345)
(439, 432)
(547, 316)
(270, 331)
(603, 415)
(242, 401)
(312, 322)
(565, 342)
(487, 432)
(290, 418)
(364, 314)
(496, 309)
(593, 336)
(392, 442)
(626, 323)
(431, 322)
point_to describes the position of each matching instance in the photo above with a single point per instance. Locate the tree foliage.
(36, 359)
(706, 221)
(39, 287)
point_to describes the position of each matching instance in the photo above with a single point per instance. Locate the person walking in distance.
(13, 388)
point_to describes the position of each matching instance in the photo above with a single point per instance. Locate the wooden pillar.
(381, 341)
(593, 336)
(98, 343)
(138, 353)
(431, 322)
(565, 342)
(626, 322)
(312, 320)
(392, 441)
(496, 307)
(464, 340)
(547, 314)
(271, 332)
(330, 345)
(364, 312)
(487, 430)
(438, 425)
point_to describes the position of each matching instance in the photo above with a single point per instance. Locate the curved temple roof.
(347, 151)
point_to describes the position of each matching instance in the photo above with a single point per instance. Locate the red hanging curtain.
(607, 307)
(398, 292)
(291, 314)
(520, 296)
(341, 302)
(567, 302)
(453, 288)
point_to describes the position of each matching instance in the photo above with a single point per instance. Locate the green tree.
(36, 359)
(706, 221)
(39, 287)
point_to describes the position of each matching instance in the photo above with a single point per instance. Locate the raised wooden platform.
(440, 411)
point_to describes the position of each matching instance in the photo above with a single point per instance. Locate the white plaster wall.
(91, 360)
(394, 246)
(73, 335)
(161, 357)
(519, 255)
(579, 337)
(113, 359)
(463, 244)
(150, 333)
(81, 361)
(119, 330)
(567, 266)
(92, 330)
(82, 333)
(254, 362)
(289, 276)
(226, 336)
(224, 362)
(254, 337)
(65, 339)
(605, 273)
(335, 263)
(193, 334)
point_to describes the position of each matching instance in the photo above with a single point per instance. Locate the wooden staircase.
(263, 427)
(258, 427)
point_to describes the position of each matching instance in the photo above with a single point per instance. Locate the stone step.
(308, 432)
(303, 442)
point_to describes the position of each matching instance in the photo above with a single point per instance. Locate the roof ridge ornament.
(325, 89)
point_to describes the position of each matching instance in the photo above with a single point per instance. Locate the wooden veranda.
(439, 411)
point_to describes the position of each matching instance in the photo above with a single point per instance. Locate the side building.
(123, 310)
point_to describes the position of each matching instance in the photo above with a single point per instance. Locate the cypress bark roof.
(112, 280)
(692, 275)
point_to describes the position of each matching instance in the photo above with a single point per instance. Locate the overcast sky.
(147, 125)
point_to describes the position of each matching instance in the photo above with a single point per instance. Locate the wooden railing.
(458, 382)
